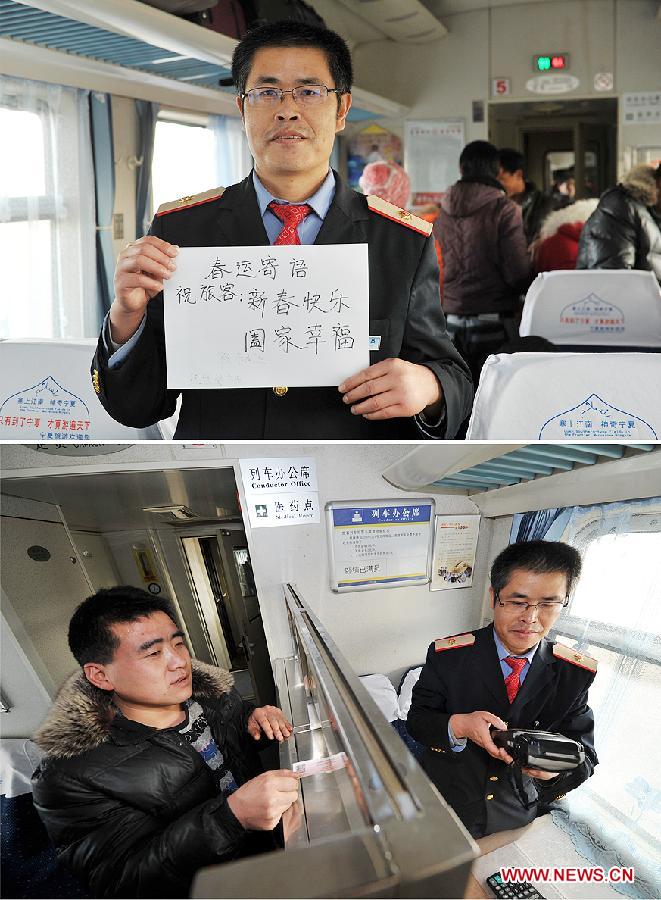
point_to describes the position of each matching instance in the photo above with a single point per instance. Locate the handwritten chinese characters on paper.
(264, 316)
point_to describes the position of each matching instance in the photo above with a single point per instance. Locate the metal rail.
(376, 828)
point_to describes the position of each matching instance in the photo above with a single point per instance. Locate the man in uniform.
(293, 82)
(506, 675)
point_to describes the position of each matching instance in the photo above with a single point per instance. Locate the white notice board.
(379, 543)
(238, 317)
(454, 552)
(431, 153)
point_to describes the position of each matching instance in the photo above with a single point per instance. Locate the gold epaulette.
(396, 214)
(573, 656)
(192, 200)
(467, 639)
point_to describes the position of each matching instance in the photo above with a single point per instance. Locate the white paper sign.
(264, 316)
(641, 108)
(454, 551)
(280, 491)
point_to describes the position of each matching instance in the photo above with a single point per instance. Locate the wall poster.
(432, 149)
(379, 543)
(454, 552)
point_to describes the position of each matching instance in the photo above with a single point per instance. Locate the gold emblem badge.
(280, 391)
(451, 642)
(186, 199)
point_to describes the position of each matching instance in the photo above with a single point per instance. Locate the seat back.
(568, 396)
(594, 307)
(30, 867)
(46, 394)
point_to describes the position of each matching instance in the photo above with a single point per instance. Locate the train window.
(620, 575)
(616, 617)
(46, 212)
(184, 161)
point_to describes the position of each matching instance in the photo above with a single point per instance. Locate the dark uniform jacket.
(463, 679)
(404, 310)
(134, 811)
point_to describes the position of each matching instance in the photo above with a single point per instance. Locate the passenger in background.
(506, 675)
(151, 767)
(485, 257)
(624, 232)
(557, 244)
(390, 182)
(563, 190)
(293, 84)
(535, 205)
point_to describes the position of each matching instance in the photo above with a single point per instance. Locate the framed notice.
(454, 552)
(379, 543)
(431, 153)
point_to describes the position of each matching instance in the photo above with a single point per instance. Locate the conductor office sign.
(240, 317)
(280, 491)
(379, 543)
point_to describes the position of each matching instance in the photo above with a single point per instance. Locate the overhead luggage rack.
(374, 827)
(141, 39)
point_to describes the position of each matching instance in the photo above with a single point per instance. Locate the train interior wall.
(383, 631)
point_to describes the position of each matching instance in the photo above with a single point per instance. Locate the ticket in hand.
(320, 766)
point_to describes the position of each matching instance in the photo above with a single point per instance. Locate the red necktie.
(512, 684)
(291, 215)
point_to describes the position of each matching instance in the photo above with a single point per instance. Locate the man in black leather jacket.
(151, 767)
(624, 231)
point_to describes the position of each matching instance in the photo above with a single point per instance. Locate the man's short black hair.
(90, 636)
(512, 160)
(289, 33)
(541, 557)
(479, 159)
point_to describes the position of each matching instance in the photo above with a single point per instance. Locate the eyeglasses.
(305, 95)
(521, 606)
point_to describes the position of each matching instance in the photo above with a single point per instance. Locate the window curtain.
(233, 157)
(146, 115)
(614, 819)
(100, 112)
(46, 212)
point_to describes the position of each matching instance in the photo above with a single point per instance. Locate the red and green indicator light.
(551, 62)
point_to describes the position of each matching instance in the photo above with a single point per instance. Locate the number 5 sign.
(500, 87)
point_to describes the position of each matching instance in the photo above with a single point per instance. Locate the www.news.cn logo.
(616, 874)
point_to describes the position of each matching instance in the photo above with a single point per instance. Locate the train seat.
(46, 394)
(568, 396)
(30, 867)
(594, 309)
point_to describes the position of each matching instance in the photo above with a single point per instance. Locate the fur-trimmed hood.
(568, 215)
(82, 714)
(640, 184)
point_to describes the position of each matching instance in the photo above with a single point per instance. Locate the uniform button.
(489, 796)
(493, 778)
(280, 391)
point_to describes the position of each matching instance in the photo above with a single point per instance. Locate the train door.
(579, 135)
(221, 576)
